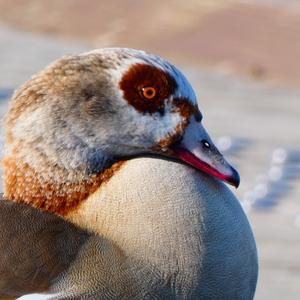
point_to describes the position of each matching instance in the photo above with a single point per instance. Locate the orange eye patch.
(149, 92)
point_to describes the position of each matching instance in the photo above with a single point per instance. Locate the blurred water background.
(242, 58)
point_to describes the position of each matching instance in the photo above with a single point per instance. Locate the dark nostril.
(205, 144)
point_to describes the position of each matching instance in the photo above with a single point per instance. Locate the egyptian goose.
(85, 217)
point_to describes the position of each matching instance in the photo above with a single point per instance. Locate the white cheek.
(167, 124)
(155, 126)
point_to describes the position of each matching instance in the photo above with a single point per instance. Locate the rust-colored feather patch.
(23, 184)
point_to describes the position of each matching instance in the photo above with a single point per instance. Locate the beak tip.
(234, 179)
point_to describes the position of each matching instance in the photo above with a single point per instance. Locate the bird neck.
(50, 185)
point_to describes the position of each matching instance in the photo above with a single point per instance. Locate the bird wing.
(35, 247)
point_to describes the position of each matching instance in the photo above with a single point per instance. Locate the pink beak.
(197, 150)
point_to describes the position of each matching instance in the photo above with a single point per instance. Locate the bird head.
(88, 110)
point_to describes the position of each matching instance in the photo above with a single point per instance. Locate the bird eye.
(149, 92)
